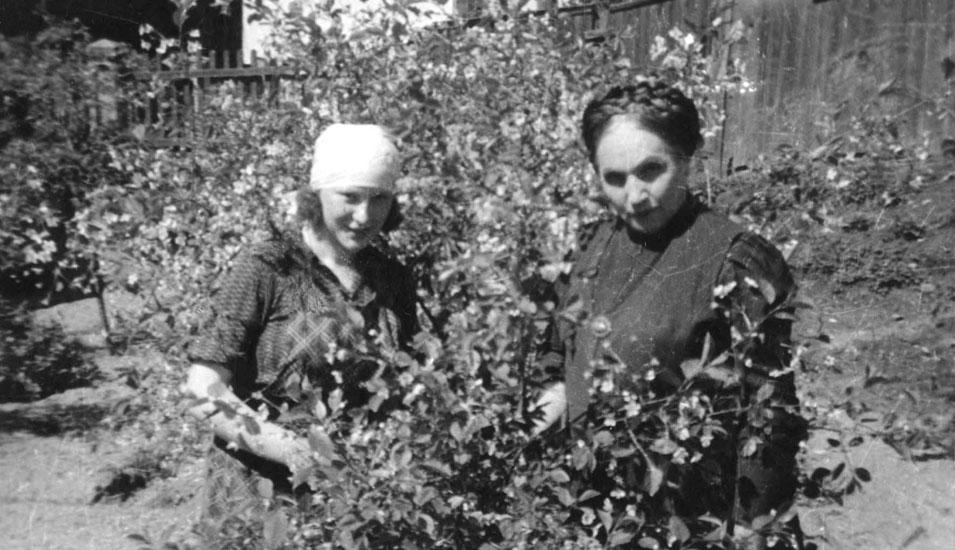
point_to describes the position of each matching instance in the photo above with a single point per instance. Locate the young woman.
(643, 283)
(286, 303)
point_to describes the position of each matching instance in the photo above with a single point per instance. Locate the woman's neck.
(339, 261)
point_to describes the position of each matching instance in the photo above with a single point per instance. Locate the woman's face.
(353, 215)
(641, 176)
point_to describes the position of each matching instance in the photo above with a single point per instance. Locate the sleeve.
(762, 294)
(550, 354)
(559, 330)
(239, 308)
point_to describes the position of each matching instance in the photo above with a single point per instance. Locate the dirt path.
(906, 505)
(48, 483)
(46, 488)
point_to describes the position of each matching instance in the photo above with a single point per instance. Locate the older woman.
(287, 301)
(643, 285)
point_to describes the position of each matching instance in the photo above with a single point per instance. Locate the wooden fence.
(179, 112)
(818, 65)
(815, 65)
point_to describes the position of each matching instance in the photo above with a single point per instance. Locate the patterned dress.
(274, 320)
(649, 300)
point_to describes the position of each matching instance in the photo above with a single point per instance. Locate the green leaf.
(275, 529)
(764, 393)
(559, 476)
(564, 496)
(319, 409)
(300, 476)
(603, 438)
(691, 368)
(429, 524)
(605, 518)
(619, 538)
(678, 529)
(664, 446)
(335, 399)
(264, 487)
(751, 446)
(767, 290)
(725, 375)
(437, 466)
(582, 458)
(319, 442)
(622, 452)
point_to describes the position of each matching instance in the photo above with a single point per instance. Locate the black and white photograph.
(477, 274)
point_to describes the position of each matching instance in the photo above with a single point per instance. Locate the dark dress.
(650, 299)
(273, 320)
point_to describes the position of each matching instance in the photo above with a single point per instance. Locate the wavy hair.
(657, 106)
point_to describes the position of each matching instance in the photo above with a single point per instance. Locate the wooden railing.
(169, 118)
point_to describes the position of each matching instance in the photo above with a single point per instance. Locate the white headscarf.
(361, 155)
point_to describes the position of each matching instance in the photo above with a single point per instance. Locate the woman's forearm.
(231, 419)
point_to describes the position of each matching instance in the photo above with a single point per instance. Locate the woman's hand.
(209, 386)
(551, 405)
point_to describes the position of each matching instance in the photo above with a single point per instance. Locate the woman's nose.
(360, 213)
(637, 192)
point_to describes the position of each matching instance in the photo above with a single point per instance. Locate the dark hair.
(309, 210)
(657, 106)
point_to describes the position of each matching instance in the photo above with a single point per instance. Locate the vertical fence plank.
(920, 38)
(812, 70)
(946, 41)
(777, 63)
(799, 74)
(260, 81)
(948, 127)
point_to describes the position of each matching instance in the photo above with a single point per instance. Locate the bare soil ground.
(880, 345)
(48, 484)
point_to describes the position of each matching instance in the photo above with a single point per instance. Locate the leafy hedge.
(37, 361)
(51, 153)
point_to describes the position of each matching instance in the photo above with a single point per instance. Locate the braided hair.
(657, 106)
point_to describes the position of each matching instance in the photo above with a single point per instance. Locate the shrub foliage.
(495, 186)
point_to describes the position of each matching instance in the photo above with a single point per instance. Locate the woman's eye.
(650, 171)
(615, 179)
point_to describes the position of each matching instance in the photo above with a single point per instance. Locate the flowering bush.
(51, 152)
(495, 186)
(37, 361)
